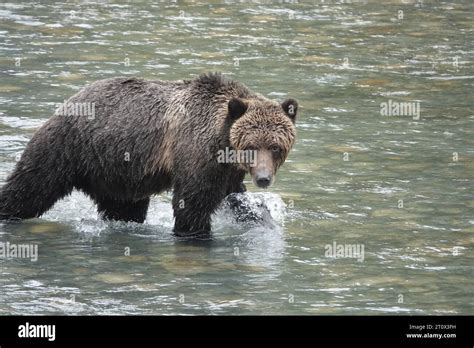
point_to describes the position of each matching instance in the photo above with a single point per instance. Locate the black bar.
(241, 330)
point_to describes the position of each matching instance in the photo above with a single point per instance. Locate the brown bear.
(144, 137)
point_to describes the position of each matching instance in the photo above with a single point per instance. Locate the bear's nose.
(264, 181)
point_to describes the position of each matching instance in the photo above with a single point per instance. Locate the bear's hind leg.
(44, 174)
(111, 209)
(32, 190)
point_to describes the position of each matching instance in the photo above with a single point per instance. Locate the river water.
(400, 186)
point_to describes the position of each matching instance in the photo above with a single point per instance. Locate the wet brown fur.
(172, 131)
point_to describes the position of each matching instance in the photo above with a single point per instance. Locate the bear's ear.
(237, 108)
(290, 106)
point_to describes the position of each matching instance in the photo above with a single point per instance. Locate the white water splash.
(80, 212)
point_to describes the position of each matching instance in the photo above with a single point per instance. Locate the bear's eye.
(275, 149)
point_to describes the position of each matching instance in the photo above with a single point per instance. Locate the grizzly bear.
(148, 136)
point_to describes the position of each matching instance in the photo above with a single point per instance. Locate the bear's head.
(265, 128)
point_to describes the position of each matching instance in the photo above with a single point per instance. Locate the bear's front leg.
(236, 183)
(193, 205)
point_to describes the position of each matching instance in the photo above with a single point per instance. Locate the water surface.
(401, 186)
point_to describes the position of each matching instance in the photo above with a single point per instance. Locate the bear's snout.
(264, 180)
(262, 172)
